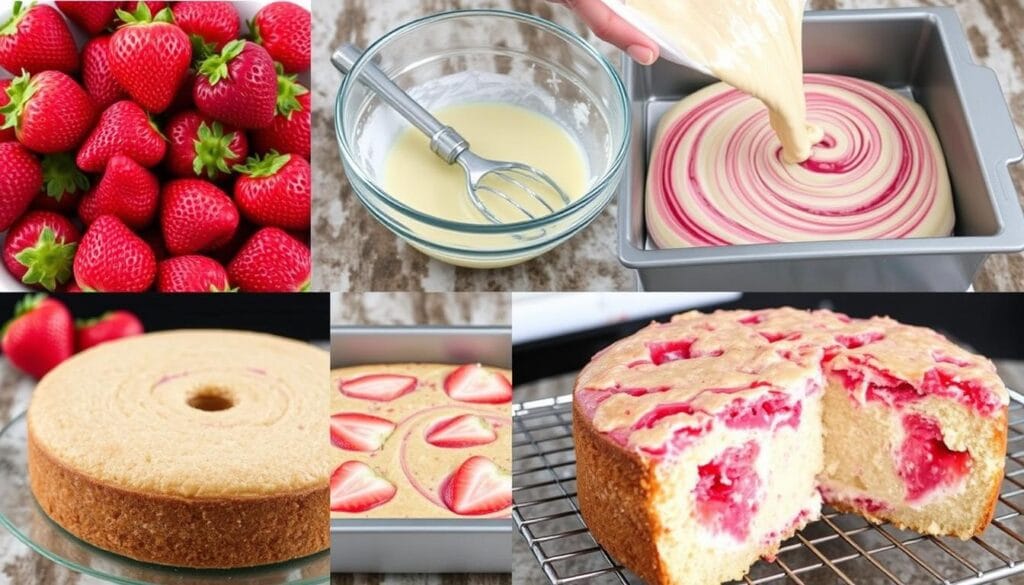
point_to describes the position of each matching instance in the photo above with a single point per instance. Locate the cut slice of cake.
(703, 443)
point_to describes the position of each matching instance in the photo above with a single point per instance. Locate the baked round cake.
(704, 442)
(195, 449)
(421, 441)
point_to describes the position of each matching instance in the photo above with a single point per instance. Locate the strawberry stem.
(213, 150)
(215, 67)
(288, 92)
(61, 176)
(48, 262)
(267, 166)
(10, 26)
(20, 92)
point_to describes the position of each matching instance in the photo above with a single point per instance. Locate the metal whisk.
(452, 148)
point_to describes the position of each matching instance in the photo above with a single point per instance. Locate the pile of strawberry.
(42, 333)
(170, 152)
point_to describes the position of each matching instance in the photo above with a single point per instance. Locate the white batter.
(755, 46)
(414, 175)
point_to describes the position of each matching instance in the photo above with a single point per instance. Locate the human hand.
(608, 26)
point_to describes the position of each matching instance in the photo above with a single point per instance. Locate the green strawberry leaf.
(10, 26)
(268, 166)
(227, 289)
(254, 32)
(48, 262)
(83, 323)
(213, 150)
(215, 67)
(20, 92)
(61, 175)
(288, 92)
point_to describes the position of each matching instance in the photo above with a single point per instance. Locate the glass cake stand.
(20, 514)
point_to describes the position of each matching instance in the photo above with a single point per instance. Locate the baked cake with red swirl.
(703, 443)
(421, 441)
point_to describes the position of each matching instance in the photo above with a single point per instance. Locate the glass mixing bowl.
(485, 56)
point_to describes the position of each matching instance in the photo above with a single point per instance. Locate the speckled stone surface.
(353, 252)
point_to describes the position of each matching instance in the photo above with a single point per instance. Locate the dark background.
(300, 316)
(990, 324)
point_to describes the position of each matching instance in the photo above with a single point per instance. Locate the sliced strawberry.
(477, 487)
(474, 383)
(356, 487)
(461, 431)
(379, 387)
(355, 431)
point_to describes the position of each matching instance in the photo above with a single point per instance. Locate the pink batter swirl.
(717, 176)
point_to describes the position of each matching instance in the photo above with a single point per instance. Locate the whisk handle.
(444, 140)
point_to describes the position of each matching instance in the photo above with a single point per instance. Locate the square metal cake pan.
(922, 53)
(410, 545)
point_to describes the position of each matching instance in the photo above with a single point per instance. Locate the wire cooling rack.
(839, 548)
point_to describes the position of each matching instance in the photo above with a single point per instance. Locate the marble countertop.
(355, 253)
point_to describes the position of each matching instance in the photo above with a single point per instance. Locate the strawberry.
(107, 327)
(284, 30)
(271, 261)
(21, 179)
(457, 432)
(73, 287)
(49, 112)
(275, 191)
(155, 6)
(111, 258)
(127, 191)
(192, 273)
(475, 383)
(93, 17)
(6, 134)
(124, 128)
(238, 86)
(39, 249)
(96, 75)
(196, 216)
(477, 487)
(379, 387)
(199, 146)
(356, 487)
(150, 57)
(355, 431)
(63, 184)
(39, 336)
(36, 39)
(212, 23)
(290, 131)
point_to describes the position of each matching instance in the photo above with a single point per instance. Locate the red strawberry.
(107, 327)
(124, 128)
(379, 387)
(475, 383)
(39, 249)
(238, 86)
(196, 216)
(477, 487)
(127, 191)
(275, 191)
(284, 30)
(36, 39)
(96, 75)
(111, 258)
(192, 273)
(150, 57)
(21, 179)
(355, 431)
(63, 184)
(73, 287)
(39, 336)
(356, 487)
(213, 23)
(91, 17)
(290, 131)
(49, 112)
(271, 261)
(199, 146)
(6, 134)
(457, 432)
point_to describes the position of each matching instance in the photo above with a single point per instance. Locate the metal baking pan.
(463, 545)
(922, 53)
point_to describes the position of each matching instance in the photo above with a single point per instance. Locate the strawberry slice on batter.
(355, 431)
(477, 487)
(356, 487)
(379, 387)
(467, 430)
(475, 383)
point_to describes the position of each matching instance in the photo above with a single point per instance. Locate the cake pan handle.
(999, 144)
